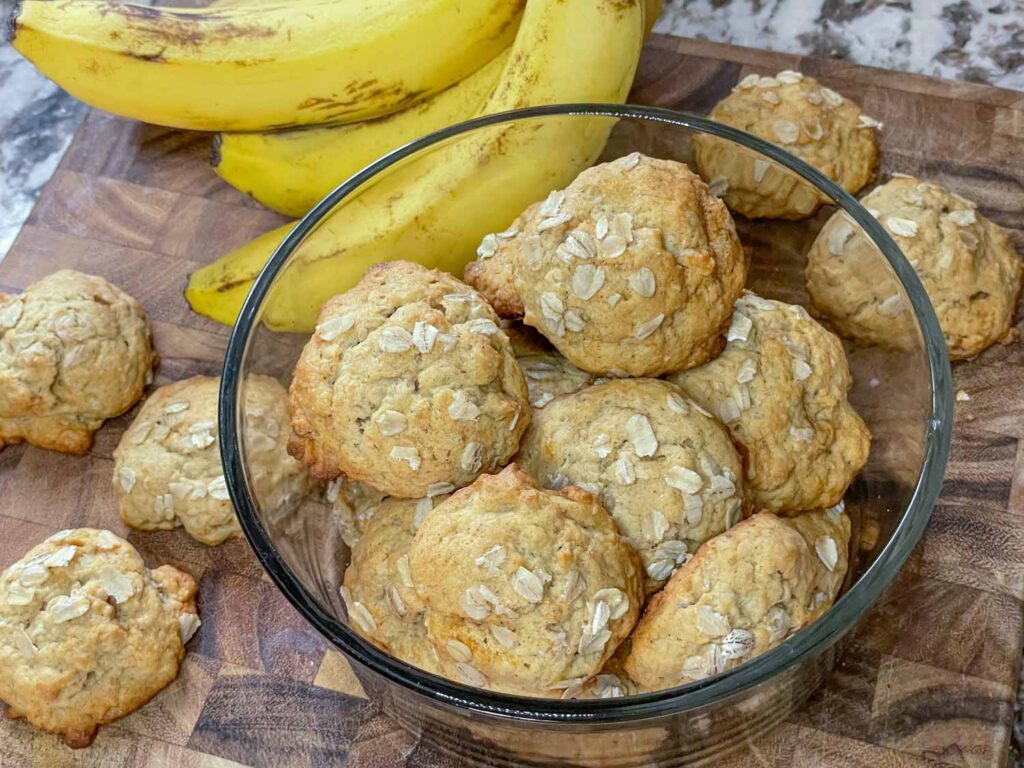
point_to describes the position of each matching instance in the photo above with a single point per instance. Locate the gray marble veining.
(976, 40)
(37, 120)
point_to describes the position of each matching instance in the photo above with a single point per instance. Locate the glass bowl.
(902, 391)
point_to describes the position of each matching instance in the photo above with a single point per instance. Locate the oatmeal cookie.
(382, 604)
(743, 593)
(611, 682)
(547, 373)
(167, 467)
(74, 351)
(407, 384)
(781, 388)
(629, 271)
(353, 505)
(527, 591)
(493, 271)
(966, 263)
(661, 465)
(88, 634)
(806, 119)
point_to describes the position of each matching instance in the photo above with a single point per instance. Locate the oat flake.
(737, 644)
(10, 313)
(331, 329)
(391, 423)
(423, 336)
(407, 454)
(963, 218)
(472, 457)
(648, 327)
(527, 585)
(126, 477)
(642, 435)
(643, 282)
(677, 404)
(711, 623)
(827, 551)
(739, 328)
(68, 607)
(785, 131)
(394, 339)
(612, 246)
(684, 479)
(901, 227)
(218, 489)
(487, 248)
(505, 637)
(458, 650)
(462, 408)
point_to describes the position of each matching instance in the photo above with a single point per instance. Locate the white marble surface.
(980, 40)
(977, 40)
(36, 122)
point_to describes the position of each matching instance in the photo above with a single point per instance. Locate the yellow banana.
(261, 65)
(435, 209)
(290, 171)
(652, 11)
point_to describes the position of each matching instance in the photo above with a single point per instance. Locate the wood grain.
(927, 680)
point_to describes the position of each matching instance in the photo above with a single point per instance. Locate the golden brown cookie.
(379, 594)
(493, 271)
(407, 384)
(547, 373)
(167, 467)
(664, 469)
(88, 633)
(74, 351)
(353, 505)
(966, 263)
(743, 593)
(797, 113)
(629, 271)
(527, 591)
(781, 387)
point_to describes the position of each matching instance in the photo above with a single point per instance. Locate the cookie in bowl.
(407, 384)
(743, 593)
(379, 593)
(74, 351)
(780, 387)
(353, 505)
(527, 591)
(662, 466)
(797, 113)
(547, 373)
(167, 467)
(631, 270)
(967, 265)
(88, 633)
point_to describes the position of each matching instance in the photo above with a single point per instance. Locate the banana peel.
(291, 171)
(435, 208)
(258, 66)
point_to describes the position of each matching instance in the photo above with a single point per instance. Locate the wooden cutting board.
(930, 677)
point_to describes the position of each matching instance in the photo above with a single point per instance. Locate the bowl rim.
(805, 645)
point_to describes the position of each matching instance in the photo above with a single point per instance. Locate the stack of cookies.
(609, 468)
(564, 478)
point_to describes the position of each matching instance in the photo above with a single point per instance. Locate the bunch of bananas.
(306, 92)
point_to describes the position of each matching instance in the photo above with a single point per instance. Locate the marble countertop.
(978, 40)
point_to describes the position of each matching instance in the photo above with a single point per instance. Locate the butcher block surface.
(928, 679)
